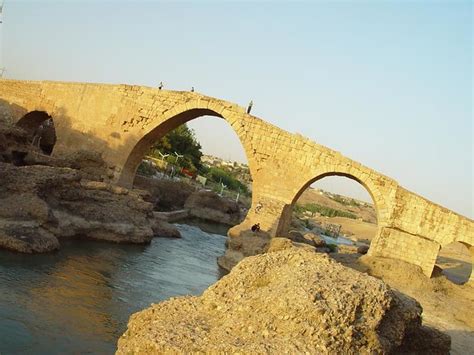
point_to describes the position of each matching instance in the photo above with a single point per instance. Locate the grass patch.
(322, 210)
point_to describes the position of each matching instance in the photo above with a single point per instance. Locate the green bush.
(219, 175)
(146, 169)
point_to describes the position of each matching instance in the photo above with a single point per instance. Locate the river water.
(79, 299)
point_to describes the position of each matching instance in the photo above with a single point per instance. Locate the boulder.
(278, 244)
(209, 206)
(288, 301)
(247, 243)
(164, 229)
(362, 249)
(26, 237)
(166, 195)
(346, 249)
(307, 238)
(323, 250)
(317, 240)
(296, 236)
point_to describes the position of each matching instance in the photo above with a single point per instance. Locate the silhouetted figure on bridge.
(249, 108)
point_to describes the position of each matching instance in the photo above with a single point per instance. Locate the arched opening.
(337, 207)
(455, 262)
(41, 131)
(195, 162)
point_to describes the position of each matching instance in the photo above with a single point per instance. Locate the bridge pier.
(273, 215)
(396, 244)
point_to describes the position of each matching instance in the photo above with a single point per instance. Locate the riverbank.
(80, 298)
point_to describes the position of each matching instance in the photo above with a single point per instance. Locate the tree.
(181, 140)
(220, 175)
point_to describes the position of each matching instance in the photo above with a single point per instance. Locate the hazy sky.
(387, 83)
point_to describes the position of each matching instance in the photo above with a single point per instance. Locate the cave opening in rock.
(41, 130)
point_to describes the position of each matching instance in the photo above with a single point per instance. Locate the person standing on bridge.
(249, 107)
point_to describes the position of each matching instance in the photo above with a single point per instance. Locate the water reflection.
(79, 299)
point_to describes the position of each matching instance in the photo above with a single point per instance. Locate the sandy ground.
(456, 262)
(352, 227)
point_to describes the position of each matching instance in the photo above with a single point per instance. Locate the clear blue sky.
(387, 83)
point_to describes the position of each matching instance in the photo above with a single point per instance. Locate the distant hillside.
(345, 204)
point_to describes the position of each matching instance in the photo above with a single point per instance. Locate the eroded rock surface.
(39, 204)
(166, 195)
(161, 228)
(43, 198)
(209, 206)
(288, 301)
(247, 243)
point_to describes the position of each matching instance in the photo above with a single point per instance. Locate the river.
(79, 299)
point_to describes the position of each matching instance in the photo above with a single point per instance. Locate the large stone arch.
(158, 126)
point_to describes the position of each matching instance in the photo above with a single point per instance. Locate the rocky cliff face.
(43, 198)
(289, 301)
(39, 204)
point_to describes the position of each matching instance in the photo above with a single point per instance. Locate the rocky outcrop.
(172, 216)
(43, 198)
(161, 228)
(247, 243)
(308, 238)
(288, 301)
(26, 237)
(209, 206)
(362, 249)
(166, 195)
(39, 204)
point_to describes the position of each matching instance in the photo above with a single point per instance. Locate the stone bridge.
(122, 121)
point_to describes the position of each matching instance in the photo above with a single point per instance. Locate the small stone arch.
(40, 128)
(285, 219)
(340, 174)
(170, 120)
